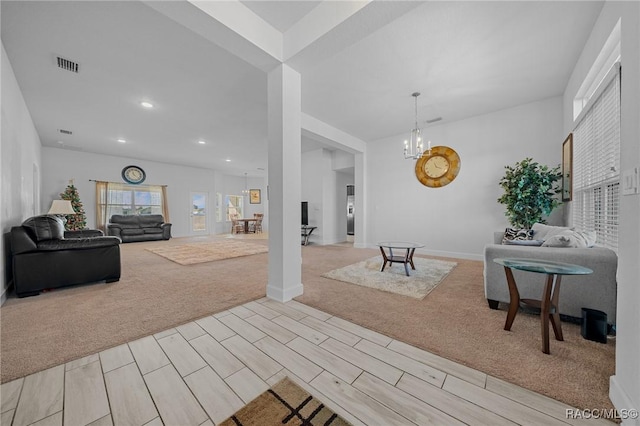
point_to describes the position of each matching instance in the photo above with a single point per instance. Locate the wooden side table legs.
(550, 299)
(407, 259)
(514, 299)
(548, 307)
(385, 259)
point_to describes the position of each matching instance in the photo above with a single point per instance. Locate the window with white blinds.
(596, 165)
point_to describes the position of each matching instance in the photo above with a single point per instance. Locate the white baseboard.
(284, 295)
(622, 401)
(454, 254)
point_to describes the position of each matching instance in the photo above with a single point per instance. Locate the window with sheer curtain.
(119, 198)
(235, 204)
(596, 164)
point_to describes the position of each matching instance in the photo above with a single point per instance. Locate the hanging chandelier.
(245, 191)
(414, 147)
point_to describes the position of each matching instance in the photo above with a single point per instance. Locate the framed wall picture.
(254, 196)
(567, 167)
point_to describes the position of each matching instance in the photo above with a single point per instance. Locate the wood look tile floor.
(202, 372)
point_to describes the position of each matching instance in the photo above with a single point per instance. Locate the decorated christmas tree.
(74, 221)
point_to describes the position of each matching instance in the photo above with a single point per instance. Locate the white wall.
(325, 190)
(20, 159)
(314, 167)
(342, 160)
(61, 165)
(19, 156)
(459, 219)
(625, 385)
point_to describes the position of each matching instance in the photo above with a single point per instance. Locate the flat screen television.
(305, 213)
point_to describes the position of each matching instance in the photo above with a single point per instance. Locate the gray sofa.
(150, 227)
(595, 291)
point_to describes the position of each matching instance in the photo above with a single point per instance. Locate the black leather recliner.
(44, 256)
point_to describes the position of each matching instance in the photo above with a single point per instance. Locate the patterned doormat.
(285, 404)
(190, 254)
(428, 274)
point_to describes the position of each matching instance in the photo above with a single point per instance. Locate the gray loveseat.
(595, 291)
(150, 227)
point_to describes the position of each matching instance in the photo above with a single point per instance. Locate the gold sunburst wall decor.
(438, 167)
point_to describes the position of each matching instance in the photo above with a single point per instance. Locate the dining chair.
(236, 227)
(257, 226)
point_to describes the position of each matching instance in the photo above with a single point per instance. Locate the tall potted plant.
(530, 191)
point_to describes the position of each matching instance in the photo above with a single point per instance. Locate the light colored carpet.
(428, 274)
(285, 404)
(190, 254)
(155, 294)
(455, 322)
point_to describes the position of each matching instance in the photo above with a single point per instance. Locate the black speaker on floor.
(594, 325)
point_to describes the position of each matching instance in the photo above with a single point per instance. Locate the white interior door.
(199, 214)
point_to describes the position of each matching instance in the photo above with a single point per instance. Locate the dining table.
(246, 223)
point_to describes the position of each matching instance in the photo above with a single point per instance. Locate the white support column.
(360, 179)
(284, 120)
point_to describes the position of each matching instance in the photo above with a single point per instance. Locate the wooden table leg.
(514, 298)
(545, 307)
(411, 259)
(555, 316)
(384, 259)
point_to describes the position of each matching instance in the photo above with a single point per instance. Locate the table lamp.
(61, 208)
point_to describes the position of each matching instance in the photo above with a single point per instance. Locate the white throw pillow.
(544, 232)
(572, 239)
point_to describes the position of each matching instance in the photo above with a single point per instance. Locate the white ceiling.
(281, 14)
(467, 58)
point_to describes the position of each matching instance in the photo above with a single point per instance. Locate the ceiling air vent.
(68, 65)
(66, 132)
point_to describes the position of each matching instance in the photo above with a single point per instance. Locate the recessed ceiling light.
(201, 142)
(122, 141)
(227, 160)
(146, 104)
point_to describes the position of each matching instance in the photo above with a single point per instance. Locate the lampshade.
(61, 207)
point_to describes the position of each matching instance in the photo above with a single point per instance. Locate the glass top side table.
(550, 296)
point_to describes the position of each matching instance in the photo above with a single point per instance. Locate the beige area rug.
(190, 254)
(249, 236)
(285, 404)
(428, 274)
